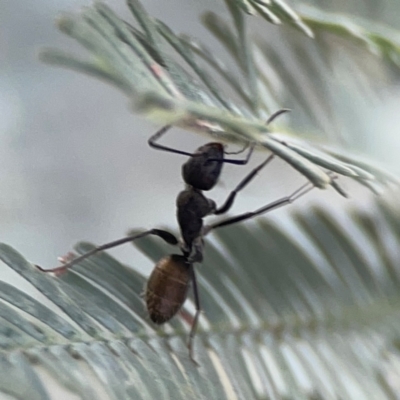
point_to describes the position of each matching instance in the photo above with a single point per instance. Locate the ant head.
(203, 169)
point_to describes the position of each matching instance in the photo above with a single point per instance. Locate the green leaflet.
(289, 313)
(185, 88)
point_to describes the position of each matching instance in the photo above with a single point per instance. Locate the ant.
(169, 282)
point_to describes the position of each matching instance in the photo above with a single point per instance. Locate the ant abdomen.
(199, 171)
(167, 288)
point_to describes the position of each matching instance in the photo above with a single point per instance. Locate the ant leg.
(153, 139)
(166, 236)
(153, 143)
(276, 114)
(196, 316)
(273, 116)
(229, 201)
(269, 207)
(238, 162)
(244, 148)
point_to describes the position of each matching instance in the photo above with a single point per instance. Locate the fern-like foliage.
(275, 12)
(138, 60)
(308, 314)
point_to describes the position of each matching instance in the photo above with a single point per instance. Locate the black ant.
(168, 284)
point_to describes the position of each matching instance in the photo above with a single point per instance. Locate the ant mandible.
(168, 284)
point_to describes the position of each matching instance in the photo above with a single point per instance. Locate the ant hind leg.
(166, 236)
(196, 315)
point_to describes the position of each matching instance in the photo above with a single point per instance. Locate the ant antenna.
(276, 114)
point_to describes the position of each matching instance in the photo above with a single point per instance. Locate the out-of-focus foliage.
(308, 314)
(294, 71)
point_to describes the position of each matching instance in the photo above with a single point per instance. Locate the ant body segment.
(169, 282)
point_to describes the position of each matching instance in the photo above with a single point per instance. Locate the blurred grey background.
(74, 159)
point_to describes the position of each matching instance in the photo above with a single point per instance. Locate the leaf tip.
(65, 23)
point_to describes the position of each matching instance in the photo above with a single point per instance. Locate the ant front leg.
(201, 151)
(166, 236)
(275, 115)
(153, 142)
(243, 161)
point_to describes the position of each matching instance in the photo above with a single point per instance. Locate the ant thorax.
(192, 207)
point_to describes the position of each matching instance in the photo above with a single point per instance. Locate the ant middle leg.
(301, 191)
(166, 236)
(247, 179)
(231, 198)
